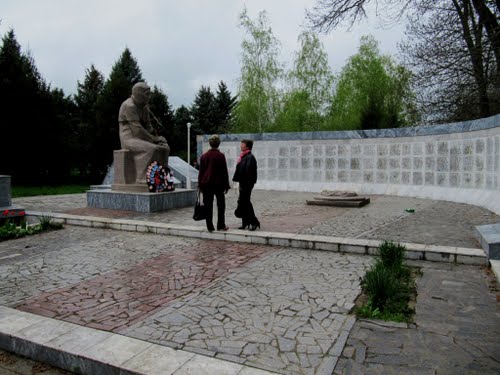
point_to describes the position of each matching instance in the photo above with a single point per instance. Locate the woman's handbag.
(200, 213)
(239, 212)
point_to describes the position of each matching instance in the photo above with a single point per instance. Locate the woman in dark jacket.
(246, 175)
(213, 180)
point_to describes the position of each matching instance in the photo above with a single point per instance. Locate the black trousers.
(245, 206)
(208, 201)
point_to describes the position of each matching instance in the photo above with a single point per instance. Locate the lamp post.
(188, 177)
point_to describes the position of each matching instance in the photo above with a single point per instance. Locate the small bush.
(388, 286)
(46, 223)
(380, 284)
(10, 230)
(391, 254)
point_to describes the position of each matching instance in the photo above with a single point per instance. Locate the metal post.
(188, 177)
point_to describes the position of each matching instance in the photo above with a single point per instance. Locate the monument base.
(141, 202)
(135, 188)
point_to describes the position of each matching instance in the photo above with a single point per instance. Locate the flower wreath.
(159, 179)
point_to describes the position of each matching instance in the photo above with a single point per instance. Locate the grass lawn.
(28, 191)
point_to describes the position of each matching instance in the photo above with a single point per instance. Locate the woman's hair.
(214, 141)
(248, 142)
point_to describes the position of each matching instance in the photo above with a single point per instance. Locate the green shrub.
(380, 284)
(391, 254)
(10, 230)
(46, 223)
(388, 286)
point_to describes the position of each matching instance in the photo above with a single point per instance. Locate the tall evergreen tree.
(24, 101)
(124, 74)
(203, 112)
(162, 117)
(224, 105)
(62, 155)
(86, 99)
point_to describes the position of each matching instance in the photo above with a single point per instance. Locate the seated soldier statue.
(138, 135)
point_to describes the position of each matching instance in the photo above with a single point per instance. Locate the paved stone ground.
(284, 310)
(456, 330)
(433, 223)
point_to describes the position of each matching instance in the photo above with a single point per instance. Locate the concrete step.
(459, 255)
(89, 351)
(489, 237)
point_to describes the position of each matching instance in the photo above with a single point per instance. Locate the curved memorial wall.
(458, 162)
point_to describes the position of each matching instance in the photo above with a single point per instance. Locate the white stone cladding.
(455, 162)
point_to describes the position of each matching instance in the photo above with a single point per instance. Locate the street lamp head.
(188, 124)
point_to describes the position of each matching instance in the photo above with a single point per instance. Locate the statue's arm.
(129, 116)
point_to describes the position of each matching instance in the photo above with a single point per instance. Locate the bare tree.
(455, 43)
(452, 83)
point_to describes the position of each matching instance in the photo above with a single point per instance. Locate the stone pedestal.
(124, 170)
(140, 202)
(8, 212)
(5, 196)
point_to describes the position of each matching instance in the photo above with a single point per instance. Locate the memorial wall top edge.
(425, 130)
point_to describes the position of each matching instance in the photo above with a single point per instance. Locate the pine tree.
(203, 112)
(86, 99)
(24, 97)
(163, 117)
(125, 73)
(224, 105)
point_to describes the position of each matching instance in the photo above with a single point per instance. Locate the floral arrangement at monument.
(159, 179)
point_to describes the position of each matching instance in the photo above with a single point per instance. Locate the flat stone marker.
(339, 201)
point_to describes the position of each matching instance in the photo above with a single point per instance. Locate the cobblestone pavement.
(432, 223)
(456, 330)
(284, 310)
(272, 308)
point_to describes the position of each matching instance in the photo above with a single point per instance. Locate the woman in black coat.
(246, 175)
(213, 181)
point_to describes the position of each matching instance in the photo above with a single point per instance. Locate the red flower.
(6, 212)
(22, 213)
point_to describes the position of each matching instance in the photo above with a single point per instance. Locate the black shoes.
(254, 226)
(251, 227)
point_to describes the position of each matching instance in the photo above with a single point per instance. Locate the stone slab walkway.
(246, 308)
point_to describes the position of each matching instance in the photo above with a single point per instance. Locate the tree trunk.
(490, 22)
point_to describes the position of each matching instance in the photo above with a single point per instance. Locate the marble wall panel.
(457, 156)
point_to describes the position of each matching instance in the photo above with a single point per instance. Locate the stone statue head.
(141, 94)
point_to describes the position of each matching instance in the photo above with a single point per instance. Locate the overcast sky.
(179, 45)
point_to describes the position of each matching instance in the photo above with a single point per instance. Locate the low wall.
(458, 162)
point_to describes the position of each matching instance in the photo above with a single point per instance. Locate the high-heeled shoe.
(254, 226)
(243, 226)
